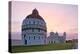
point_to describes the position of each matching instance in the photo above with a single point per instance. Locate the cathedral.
(56, 38)
(34, 31)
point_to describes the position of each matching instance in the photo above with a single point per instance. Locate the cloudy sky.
(58, 17)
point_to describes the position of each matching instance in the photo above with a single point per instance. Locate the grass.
(42, 47)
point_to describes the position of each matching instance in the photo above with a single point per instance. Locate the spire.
(51, 33)
(56, 33)
(64, 33)
(35, 12)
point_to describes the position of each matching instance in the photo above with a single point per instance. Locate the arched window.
(49, 41)
(41, 23)
(34, 37)
(29, 22)
(37, 22)
(32, 30)
(38, 30)
(24, 35)
(54, 41)
(25, 41)
(29, 37)
(39, 37)
(33, 22)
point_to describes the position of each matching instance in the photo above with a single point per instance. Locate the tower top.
(56, 33)
(35, 11)
(64, 33)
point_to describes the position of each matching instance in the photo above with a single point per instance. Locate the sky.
(58, 17)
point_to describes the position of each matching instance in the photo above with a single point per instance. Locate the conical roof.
(35, 14)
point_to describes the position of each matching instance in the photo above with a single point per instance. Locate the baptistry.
(34, 30)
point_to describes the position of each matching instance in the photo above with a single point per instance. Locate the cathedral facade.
(56, 38)
(34, 30)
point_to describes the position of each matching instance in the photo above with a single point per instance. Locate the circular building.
(34, 29)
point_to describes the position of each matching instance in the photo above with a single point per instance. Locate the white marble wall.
(29, 34)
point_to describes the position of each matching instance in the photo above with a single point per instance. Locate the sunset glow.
(59, 17)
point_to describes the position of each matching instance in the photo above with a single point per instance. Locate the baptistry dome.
(34, 20)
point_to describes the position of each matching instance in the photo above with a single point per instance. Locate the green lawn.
(42, 47)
